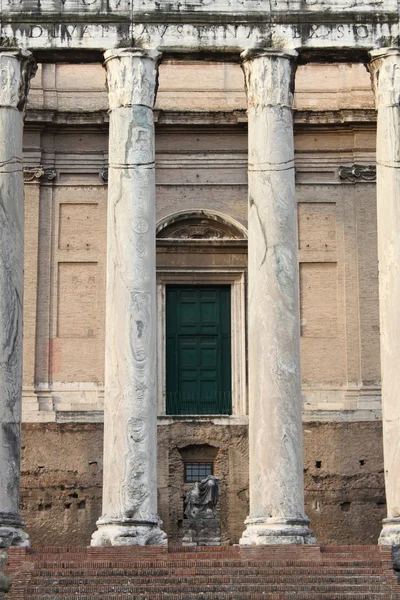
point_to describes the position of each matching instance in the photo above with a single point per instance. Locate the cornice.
(199, 118)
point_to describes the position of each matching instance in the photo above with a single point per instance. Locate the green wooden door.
(198, 350)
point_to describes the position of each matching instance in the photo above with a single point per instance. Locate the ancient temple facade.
(193, 208)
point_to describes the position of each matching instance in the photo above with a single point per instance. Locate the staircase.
(226, 572)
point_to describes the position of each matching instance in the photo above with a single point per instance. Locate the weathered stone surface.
(214, 25)
(275, 405)
(16, 69)
(385, 71)
(201, 532)
(130, 431)
(344, 481)
(201, 528)
(61, 500)
(202, 499)
(5, 581)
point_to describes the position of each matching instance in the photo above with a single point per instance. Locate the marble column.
(385, 73)
(275, 404)
(16, 69)
(130, 415)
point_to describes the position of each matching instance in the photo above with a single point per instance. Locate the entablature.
(75, 30)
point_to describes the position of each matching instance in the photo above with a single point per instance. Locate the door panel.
(198, 350)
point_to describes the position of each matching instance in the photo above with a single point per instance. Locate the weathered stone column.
(275, 406)
(16, 69)
(385, 72)
(130, 417)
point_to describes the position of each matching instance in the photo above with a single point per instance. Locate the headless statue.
(201, 501)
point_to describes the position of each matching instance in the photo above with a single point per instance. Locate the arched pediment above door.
(200, 224)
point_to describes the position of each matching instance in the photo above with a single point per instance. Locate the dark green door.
(198, 350)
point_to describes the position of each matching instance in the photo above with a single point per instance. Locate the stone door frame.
(237, 280)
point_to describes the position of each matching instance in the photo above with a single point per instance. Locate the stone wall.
(62, 477)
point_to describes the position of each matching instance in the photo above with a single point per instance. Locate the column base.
(390, 534)
(265, 532)
(11, 531)
(129, 532)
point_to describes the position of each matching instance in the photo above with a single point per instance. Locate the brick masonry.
(62, 479)
(149, 573)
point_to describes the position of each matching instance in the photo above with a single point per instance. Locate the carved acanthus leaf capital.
(132, 76)
(269, 77)
(17, 67)
(385, 75)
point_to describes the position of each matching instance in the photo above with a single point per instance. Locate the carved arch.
(200, 224)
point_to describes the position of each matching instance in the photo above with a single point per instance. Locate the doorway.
(198, 350)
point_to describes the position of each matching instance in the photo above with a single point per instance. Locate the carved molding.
(16, 70)
(39, 174)
(200, 224)
(197, 230)
(356, 173)
(104, 174)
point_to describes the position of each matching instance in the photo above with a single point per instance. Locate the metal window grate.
(197, 471)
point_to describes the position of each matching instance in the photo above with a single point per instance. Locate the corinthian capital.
(269, 76)
(17, 67)
(132, 76)
(385, 74)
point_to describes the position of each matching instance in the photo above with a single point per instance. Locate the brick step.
(166, 596)
(268, 573)
(181, 558)
(199, 570)
(131, 587)
(261, 566)
(220, 579)
(231, 573)
(68, 579)
(133, 554)
(204, 563)
(138, 564)
(224, 596)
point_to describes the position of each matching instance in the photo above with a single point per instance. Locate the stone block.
(201, 532)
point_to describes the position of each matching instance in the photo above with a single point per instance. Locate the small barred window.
(196, 471)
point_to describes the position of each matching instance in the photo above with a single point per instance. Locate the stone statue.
(200, 502)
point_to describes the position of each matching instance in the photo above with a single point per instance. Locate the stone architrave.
(130, 416)
(16, 69)
(385, 72)
(275, 404)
